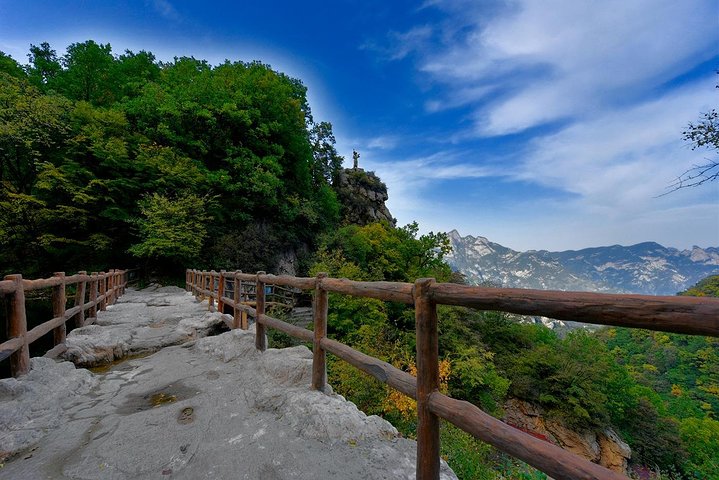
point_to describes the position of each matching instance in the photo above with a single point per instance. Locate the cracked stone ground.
(212, 407)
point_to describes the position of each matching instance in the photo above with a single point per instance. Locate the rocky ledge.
(213, 407)
(604, 447)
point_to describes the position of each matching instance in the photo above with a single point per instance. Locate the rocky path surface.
(203, 407)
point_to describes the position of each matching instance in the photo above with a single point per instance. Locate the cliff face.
(603, 447)
(362, 195)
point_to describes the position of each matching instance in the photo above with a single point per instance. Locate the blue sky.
(550, 124)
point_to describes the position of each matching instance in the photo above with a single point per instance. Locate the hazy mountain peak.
(646, 267)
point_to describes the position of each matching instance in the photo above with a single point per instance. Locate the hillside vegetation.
(115, 159)
(659, 391)
(110, 160)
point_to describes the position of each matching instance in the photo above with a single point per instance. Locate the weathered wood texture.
(319, 318)
(382, 371)
(7, 287)
(58, 308)
(387, 291)
(676, 314)
(17, 346)
(92, 311)
(221, 292)
(294, 330)
(8, 347)
(80, 300)
(303, 283)
(260, 335)
(549, 458)
(103, 292)
(17, 327)
(425, 312)
(236, 313)
(691, 315)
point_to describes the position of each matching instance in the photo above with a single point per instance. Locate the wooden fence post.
(103, 290)
(111, 286)
(187, 280)
(425, 312)
(260, 338)
(80, 300)
(211, 300)
(221, 292)
(17, 327)
(319, 357)
(92, 313)
(203, 295)
(59, 302)
(236, 313)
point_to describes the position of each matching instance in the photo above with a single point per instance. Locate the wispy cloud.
(166, 9)
(562, 59)
(621, 159)
(383, 142)
(400, 44)
(601, 82)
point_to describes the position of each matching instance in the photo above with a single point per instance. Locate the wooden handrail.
(679, 314)
(689, 315)
(112, 286)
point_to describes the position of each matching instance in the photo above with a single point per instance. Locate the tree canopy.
(97, 148)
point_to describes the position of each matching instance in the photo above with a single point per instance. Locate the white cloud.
(383, 142)
(560, 59)
(166, 9)
(624, 158)
(601, 74)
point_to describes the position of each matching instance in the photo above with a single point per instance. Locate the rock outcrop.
(362, 196)
(37, 402)
(212, 407)
(141, 322)
(604, 447)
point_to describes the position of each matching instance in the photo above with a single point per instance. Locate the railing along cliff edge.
(99, 289)
(690, 315)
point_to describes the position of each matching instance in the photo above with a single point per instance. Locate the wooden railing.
(94, 291)
(690, 315)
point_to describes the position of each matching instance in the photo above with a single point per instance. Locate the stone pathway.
(211, 407)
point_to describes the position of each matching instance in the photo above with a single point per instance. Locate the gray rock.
(214, 407)
(36, 402)
(141, 321)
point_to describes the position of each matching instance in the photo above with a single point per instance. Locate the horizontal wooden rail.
(7, 287)
(303, 283)
(679, 314)
(11, 346)
(698, 316)
(382, 371)
(387, 291)
(545, 456)
(111, 286)
(293, 330)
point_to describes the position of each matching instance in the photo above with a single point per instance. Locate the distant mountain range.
(645, 268)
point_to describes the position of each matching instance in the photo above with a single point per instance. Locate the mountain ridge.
(644, 268)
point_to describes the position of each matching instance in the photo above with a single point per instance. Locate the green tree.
(9, 66)
(708, 287)
(87, 74)
(171, 230)
(44, 65)
(327, 162)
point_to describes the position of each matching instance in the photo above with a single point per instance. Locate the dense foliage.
(104, 157)
(108, 160)
(659, 391)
